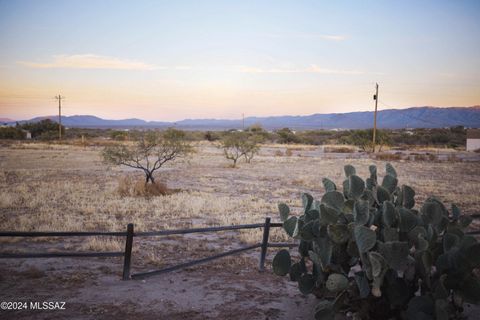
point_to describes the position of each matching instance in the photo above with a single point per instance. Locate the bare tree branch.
(150, 151)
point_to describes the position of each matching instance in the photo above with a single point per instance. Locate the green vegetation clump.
(237, 144)
(119, 135)
(286, 135)
(14, 133)
(366, 250)
(454, 137)
(43, 130)
(364, 139)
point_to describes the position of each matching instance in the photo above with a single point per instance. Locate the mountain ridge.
(415, 117)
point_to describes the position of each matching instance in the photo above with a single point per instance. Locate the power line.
(375, 97)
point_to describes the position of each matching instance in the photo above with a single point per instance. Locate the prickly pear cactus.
(368, 252)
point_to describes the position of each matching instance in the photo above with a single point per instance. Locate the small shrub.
(142, 189)
(286, 135)
(288, 152)
(367, 251)
(128, 187)
(211, 136)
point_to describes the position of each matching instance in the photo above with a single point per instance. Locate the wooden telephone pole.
(375, 97)
(59, 98)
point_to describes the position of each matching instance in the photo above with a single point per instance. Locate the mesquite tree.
(149, 152)
(240, 144)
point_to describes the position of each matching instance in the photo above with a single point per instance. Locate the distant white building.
(473, 139)
(28, 134)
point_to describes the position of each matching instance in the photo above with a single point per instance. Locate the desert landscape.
(244, 160)
(66, 187)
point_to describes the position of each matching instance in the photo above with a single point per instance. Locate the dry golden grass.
(64, 187)
(339, 149)
(103, 243)
(388, 156)
(129, 186)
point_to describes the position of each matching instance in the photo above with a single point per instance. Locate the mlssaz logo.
(47, 305)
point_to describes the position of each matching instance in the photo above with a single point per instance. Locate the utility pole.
(375, 97)
(59, 98)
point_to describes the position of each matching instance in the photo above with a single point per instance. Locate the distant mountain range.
(418, 117)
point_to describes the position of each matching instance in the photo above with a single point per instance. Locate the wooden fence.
(130, 234)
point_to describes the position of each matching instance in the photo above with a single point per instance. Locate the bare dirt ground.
(68, 188)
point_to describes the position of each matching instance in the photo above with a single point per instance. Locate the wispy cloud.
(327, 37)
(311, 69)
(332, 37)
(90, 61)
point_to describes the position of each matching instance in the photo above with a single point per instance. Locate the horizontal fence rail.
(130, 234)
(61, 254)
(197, 230)
(194, 262)
(60, 234)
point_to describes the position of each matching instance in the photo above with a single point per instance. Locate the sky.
(173, 60)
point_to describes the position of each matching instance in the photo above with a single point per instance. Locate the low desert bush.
(278, 153)
(288, 152)
(142, 189)
(129, 187)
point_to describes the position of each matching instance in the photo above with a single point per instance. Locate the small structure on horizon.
(473, 139)
(28, 134)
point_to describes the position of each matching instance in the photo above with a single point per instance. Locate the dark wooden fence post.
(128, 252)
(263, 253)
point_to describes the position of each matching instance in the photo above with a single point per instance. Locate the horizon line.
(234, 119)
